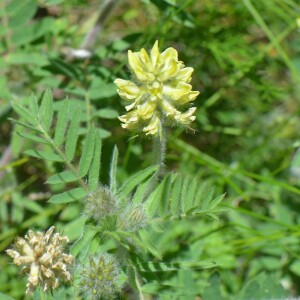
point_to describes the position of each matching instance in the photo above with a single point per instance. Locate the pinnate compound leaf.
(46, 110)
(69, 196)
(72, 135)
(87, 152)
(177, 196)
(63, 177)
(94, 171)
(61, 124)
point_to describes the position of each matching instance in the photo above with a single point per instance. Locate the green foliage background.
(245, 141)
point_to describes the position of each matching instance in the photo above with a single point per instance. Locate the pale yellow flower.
(161, 88)
(43, 260)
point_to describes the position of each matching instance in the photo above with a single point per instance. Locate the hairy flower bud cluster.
(160, 89)
(133, 218)
(100, 204)
(101, 278)
(43, 260)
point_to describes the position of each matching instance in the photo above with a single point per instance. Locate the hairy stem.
(159, 153)
(159, 149)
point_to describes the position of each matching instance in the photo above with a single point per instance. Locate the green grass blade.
(271, 37)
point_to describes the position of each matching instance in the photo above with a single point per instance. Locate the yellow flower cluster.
(42, 257)
(160, 89)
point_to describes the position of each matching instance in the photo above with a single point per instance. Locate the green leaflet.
(83, 243)
(32, 128)
(72, 135)
(106, 113)
(69, 196)
(25, 114)
(94, 171)
(175, 198)
(135, 180)
(33, 105)
(20, 12)
(159, 199)
(63, 177)
(46, 155)
(32, 137)
(87, 152)
(61, 124)
(46, 110)
(190, 195)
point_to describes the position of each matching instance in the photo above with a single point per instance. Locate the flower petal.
(176, 92)
(127, 90)
(154, 54)
(136, 66)
(185, 74)
(154, 126)
(146, 110)
(187, 117)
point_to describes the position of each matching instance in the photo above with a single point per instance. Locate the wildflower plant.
(114, 246)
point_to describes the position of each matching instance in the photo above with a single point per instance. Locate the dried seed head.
(43, 259)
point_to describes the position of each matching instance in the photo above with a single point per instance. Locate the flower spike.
(161, 88)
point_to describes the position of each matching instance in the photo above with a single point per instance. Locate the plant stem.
(159, 149)
(159, 153)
